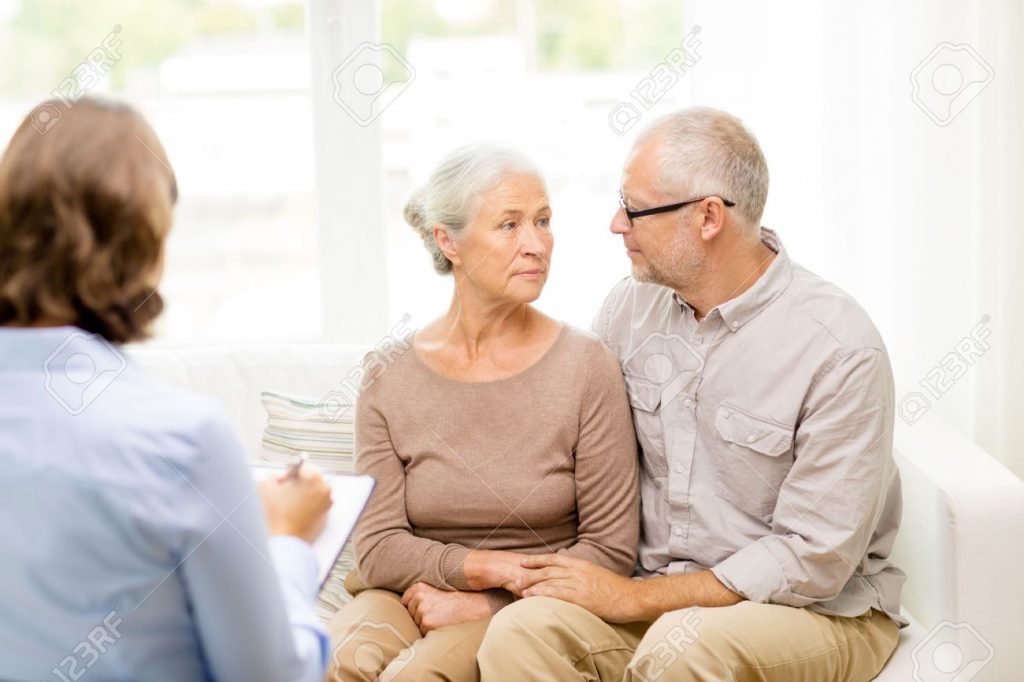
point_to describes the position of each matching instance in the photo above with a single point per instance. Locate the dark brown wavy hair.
(86, 202)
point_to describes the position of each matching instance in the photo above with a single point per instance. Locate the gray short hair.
(707, 151)
(450, 194)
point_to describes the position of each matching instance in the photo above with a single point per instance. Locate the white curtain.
(910, 202)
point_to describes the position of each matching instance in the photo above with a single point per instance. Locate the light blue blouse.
(132, 540)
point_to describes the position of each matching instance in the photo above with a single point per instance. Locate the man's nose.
(620, 223)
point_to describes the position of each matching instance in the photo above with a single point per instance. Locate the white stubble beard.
(679, 270)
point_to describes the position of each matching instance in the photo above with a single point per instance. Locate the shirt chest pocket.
(753, 457)
(645, 401)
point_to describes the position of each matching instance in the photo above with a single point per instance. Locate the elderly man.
(763, 402)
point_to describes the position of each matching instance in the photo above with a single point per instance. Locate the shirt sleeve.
(298, 573)
(830, 502)
(252, 600)
(389, 555)
(606, 470)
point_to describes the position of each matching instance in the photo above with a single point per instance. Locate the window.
(227, 87)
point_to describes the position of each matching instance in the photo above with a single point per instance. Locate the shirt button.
(735, 325)
(680, 468)
(676, 530)
(688, 402)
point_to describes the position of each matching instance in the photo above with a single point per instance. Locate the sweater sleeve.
(607, 495)
(388, 554)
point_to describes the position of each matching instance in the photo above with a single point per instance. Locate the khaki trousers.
(546, 639)
(374, 637)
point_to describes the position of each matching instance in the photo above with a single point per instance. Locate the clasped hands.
(580, 582)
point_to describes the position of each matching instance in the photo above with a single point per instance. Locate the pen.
(293, 470)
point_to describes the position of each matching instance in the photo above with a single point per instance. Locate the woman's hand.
(432, 608)
(298, 505)
(487, 568)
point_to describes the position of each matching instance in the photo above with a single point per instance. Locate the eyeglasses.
(631, 214)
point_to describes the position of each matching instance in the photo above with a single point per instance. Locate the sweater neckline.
(543, 359)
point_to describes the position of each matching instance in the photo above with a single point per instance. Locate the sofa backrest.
(235, 375)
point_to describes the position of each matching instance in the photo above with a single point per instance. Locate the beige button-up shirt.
(766, 434)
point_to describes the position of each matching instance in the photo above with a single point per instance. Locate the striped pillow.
(297, 424)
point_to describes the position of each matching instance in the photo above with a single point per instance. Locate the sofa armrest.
(961, 543)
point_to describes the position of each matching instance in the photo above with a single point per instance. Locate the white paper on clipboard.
(349, 495)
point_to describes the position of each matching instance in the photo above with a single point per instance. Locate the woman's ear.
(445, 242)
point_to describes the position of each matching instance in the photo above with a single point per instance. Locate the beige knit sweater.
(543, 461)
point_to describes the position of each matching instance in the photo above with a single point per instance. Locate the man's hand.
(605, 594)
(432, 608)
(616, 599)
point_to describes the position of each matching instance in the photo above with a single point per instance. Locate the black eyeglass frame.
(630, 214)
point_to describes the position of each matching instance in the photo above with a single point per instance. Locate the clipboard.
(349, 495)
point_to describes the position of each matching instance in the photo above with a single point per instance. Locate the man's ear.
(448, 246)
(711, 218)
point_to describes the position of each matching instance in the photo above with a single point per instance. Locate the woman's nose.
(532, 242)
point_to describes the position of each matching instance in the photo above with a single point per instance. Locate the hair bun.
(415, 212)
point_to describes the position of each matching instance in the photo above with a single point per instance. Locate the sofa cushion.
(323, 429)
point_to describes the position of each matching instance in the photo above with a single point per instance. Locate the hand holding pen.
(293, 470)
(296, 502)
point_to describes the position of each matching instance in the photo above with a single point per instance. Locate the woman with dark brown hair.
(132, 544)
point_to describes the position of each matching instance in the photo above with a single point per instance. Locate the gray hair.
(450, 196)
(707, 151)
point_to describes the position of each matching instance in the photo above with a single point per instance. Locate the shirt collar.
(41, 347)
(738, 311)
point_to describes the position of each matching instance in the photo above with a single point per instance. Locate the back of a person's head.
(85, 207)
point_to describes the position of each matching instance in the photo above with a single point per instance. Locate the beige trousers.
(374, 637)
(546, 639)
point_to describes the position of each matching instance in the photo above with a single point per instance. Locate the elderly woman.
(132, 546)
(499, 433)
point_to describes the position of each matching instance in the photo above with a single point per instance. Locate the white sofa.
(961, 542)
